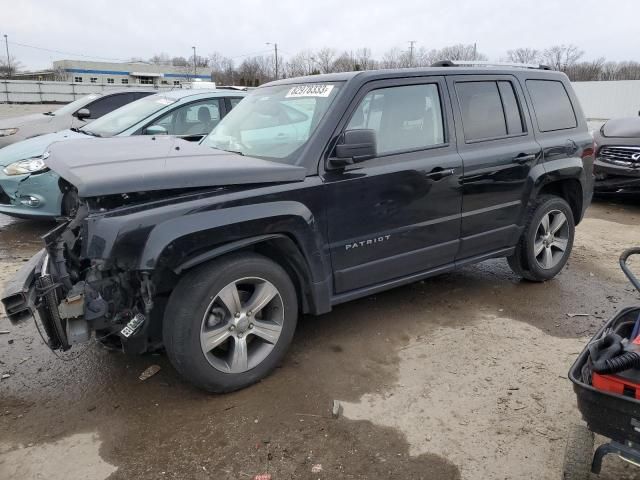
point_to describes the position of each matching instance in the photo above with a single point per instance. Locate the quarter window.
(551, 105)
(404, 118)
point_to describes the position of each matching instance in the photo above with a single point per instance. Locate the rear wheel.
(546, 242)
(229, 323)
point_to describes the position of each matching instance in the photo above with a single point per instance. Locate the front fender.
(175, 242)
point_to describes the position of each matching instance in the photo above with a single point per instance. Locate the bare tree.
(460, 52)
(299, 64)
(344, 63)
(222, 68)
(364, 59)
(586, 71)
(524, 55)
(179, 62)
(12, 68)
(160, 59)
(324, 59)
(561, 57)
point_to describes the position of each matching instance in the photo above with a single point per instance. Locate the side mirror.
(83, 114)
(355, 146)
(155, 130)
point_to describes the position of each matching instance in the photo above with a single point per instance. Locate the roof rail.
(478, 63)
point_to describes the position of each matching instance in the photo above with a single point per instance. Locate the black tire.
(578, 454)
(523, 262)
(192, 299)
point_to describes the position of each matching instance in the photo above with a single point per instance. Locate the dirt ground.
(462, 376)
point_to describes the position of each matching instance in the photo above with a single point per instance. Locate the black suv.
(312, 192)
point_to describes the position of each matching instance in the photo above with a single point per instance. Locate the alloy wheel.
(242, 325)
(552, 239)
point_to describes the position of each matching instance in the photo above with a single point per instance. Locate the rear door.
(397, 214)
(498, 149)
(192, 121)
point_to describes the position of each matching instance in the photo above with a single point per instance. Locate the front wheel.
(546, 242)
(229, 323)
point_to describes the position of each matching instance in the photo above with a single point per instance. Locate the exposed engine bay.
(76, 296)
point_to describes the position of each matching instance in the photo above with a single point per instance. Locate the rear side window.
(489, 110)
(551, 105)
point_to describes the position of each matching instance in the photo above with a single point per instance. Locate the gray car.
(617, 165)
(72, 115)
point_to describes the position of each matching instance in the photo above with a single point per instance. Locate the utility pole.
(411, 43)
(195, 64)
(475, 51)
(6, 44)
(275, 47)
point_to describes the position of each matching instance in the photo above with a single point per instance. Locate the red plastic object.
(615, 384)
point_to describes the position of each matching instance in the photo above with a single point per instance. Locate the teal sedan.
(28, 189)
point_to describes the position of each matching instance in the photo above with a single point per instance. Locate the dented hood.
(107, 166)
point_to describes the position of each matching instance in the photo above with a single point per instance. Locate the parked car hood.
(628, 127)
(34, 147)
(32, 119)
(107, 166)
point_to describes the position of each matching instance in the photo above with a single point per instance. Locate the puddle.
(71, 458)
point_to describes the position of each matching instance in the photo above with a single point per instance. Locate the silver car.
(72, 115)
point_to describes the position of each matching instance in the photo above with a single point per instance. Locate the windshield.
(124, 117)
(76, 105)
(273, 122)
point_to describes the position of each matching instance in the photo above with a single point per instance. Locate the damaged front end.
(71, 296)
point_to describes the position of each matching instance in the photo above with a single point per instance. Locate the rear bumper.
(19, 295)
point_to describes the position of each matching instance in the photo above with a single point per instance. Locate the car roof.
(114, 91)
(181, 93)
(368, 75)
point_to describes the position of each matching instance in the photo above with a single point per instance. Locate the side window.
(107, 104)
(551, 105)
(512, 110)
(482, 114)
(235, 101)
(404, 118)
(197, 118)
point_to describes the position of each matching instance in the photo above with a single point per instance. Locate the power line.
(67, 53)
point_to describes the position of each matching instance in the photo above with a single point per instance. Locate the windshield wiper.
(86, 132)
(230, 151)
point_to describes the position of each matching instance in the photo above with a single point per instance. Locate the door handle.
(439, 173)
(525, 157)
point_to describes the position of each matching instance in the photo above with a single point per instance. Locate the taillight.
(589, 151)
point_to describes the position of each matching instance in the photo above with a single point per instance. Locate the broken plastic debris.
(317, 468)
(5, 376)
(262, 476)
(4, 332)
(571, 315)
(149, 372)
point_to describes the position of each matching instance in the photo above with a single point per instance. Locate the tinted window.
(551, 104)
(193, 119)
(108, 104)
(404, 118)
(482, 114)
(511, 108)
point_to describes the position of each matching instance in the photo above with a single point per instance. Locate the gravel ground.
(14, 109)
(462, 376)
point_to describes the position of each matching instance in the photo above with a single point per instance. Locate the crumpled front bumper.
(19, 295)
(612, 177)
(15, 190)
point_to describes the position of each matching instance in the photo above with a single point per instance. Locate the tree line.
(257, 69)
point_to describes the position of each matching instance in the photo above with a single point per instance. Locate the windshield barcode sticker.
(313, 90)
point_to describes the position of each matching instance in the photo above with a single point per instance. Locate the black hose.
(618, 364)
(60, 264)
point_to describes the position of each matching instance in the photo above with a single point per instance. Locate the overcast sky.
(116, 29)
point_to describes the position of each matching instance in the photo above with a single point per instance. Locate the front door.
(397, 214)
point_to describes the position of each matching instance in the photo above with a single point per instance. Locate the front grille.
(4, 198)
(622, 156)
